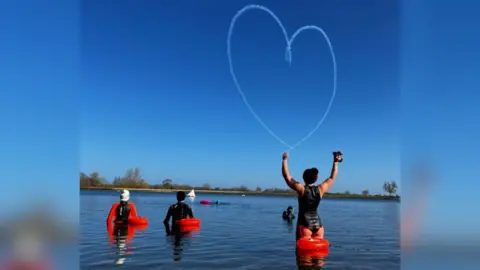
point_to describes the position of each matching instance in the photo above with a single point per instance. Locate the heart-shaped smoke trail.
(288, 56)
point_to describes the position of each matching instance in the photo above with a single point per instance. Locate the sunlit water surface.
(248, 233)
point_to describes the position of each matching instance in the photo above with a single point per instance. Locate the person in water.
(288, 214)
(309, 224)
(123, 210)
(177, 211)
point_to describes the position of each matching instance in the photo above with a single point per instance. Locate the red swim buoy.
(312, 253)
(188, 222)
(188, 229)
(204, 202)
(138, 221)
(306, 244)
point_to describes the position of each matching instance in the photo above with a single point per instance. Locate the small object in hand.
(338, 156)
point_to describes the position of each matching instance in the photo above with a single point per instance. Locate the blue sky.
(39, 107)
(47, 137)
(439, 107)
(157, 92)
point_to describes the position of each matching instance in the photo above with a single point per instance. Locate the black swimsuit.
(288, 215)
(122, 212)
(307, 209)
(179, 211)
(176, 212)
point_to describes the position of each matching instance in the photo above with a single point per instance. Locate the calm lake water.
(249, 233)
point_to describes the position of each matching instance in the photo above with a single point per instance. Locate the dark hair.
(310, 176)
(180, 196)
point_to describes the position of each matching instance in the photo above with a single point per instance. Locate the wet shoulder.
(312, 190)
(185, 205)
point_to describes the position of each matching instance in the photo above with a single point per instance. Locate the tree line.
(133, 179)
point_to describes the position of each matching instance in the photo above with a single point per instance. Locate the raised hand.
(337, 156)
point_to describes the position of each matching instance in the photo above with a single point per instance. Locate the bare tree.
(167, 183)
(390, 187)
(92, 180)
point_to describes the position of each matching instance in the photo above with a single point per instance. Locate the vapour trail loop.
(288, 58)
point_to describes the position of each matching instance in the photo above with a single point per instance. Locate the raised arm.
(325, 186)
(291, 183)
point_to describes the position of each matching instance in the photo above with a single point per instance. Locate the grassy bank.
(250, 193)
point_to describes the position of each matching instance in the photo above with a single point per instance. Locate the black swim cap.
(310, 175)
(180, 196)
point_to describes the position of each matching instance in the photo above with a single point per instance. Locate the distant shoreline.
(254, 193)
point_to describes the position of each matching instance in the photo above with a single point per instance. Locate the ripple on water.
(248, 234)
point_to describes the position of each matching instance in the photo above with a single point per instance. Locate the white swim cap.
(125, 195)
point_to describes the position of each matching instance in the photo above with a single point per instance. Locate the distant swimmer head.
(290, 209)
(125, 195)
(217, 202)
(310, 176)
(181, 196)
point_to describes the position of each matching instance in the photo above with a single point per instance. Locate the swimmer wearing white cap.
(124, 195)
(123, 210)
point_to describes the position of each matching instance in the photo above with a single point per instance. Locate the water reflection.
(121, 236)
(289, 223)
(177, 247)
(179, 241)
(178, 237)
(310, 260)
(155, 248)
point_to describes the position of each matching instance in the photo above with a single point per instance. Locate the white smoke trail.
(288, 56)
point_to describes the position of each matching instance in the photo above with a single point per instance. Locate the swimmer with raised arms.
(309, 224)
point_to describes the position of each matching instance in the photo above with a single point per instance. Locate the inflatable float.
(188, 224)
(127, 231)
(216, 202)
(138, 221)
(134, 221)
(312, 247)
(312, 254)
